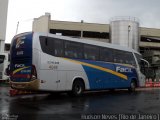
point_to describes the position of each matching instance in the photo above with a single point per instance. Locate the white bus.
(47, 62)
(4, 62)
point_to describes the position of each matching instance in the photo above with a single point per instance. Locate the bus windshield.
(2, 58)
(143, 64)
(139, 57)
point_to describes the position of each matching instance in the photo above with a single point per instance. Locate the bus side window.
(118, 56)
(124, 57)
(50, 46)
(46, 41)
(130, 59)
(106, 55)
(91, 52)
(73, 50)
(58, 48)
(47, 45)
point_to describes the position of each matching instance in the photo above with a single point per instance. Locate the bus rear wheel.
(132, 87)
(77, 88)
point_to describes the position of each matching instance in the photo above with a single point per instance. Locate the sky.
(90, 11)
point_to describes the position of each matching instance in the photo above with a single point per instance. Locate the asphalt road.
(89, 106)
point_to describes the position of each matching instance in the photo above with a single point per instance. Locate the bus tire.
(132, 87)
(77, 88)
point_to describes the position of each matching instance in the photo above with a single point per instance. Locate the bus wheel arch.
(78, 87)
(133, 85)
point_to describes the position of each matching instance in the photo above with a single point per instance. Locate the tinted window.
(118, 56)
(124, 57)
(47, 45)
(106, 54)
(52, 46)
(91, 52)
(2, 58)
(129, 58)
(58, 48)
(73, 50)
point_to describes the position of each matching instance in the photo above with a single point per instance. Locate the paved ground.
(62, 107)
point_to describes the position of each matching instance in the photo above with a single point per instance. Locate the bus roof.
(82, 40)
(90, 41)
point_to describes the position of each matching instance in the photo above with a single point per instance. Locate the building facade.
(149, 41)
(3, 22)
(149, 37)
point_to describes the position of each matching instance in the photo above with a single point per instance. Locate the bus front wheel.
(77, 88)
(132, 87)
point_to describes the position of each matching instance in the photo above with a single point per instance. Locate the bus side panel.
(99, 79)
(58, 73)
(36, 61)
(71, 70)
(49, 78)
(47, 75)
(73, 75)
(128, 71)
(102, 75)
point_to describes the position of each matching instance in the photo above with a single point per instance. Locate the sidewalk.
(147, 88)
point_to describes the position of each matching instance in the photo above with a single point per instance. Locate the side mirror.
(145, 62)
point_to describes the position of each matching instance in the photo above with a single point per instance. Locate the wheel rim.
(78, 89)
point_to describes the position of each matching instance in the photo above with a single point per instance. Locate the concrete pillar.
(2, 46)
(41, 24)
(3, 22)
